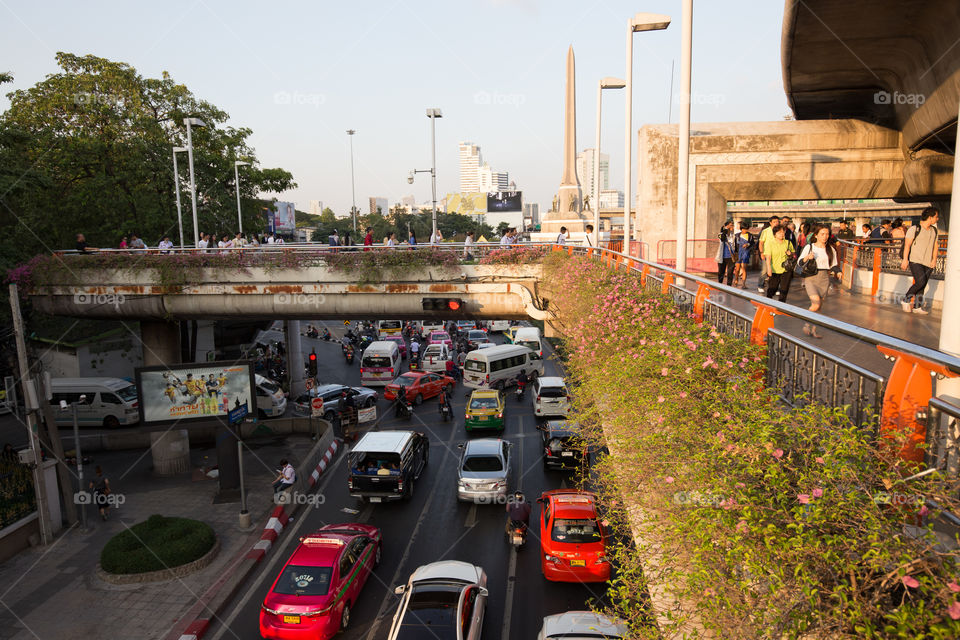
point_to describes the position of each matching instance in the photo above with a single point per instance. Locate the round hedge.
(157, 543)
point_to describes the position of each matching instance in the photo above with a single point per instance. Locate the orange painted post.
(667, 281)
(643, 275)
(762, 322)
(875, 286)
(570, 250)
(703, 292)
(908, 392)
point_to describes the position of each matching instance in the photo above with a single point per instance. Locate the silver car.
(483, 472)
(444, 601)
(576, 625)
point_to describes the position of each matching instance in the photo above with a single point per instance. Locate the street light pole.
(639, 22)
(433, 114)
(236, 181)
(605, 83)
(79, 457)
(683, 166)
(193, 185)
(353, 191)
(176, 183)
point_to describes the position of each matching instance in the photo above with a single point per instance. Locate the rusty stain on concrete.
(402, 288)
(246, 288)
(283, 288)
(442, 288)
(353, 288)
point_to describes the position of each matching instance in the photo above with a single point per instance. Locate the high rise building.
(470, 162)
(379, 203)
(611, 199)
(316, 207)
(585, 171)
(491, 181)
(531, 212)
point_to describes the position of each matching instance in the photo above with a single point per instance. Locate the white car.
(550, 397)
(444, 600)
(498, 325)
(579, 625)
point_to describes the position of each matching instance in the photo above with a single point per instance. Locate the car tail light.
(538, 398)
(500, 415)
(601, 559)
(550, 558)
(400, 485)
(362, 370)
(349, 483)
(391, 370)
(269, 610)
(488, 377)
(548, 452)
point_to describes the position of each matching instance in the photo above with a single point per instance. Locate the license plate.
(375, 499)
(481, 417)
(291, 619)
(578, 563)
(567, 454)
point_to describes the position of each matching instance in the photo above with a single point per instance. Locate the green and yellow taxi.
(485, 410)
(509, 333)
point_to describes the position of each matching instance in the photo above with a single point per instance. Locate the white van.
(498, 325)
(110, 402)
(433, 325)
(271, 403)
(498, 367)
(529, 337)
(389, 328)
(434, 358)
(550, 397)
(380, 363)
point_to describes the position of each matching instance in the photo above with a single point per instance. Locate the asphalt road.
(432, 526)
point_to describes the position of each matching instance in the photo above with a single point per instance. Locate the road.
(432, 526)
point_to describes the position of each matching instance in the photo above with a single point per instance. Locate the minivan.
(380, 363)
(109, 402)
(529, 337)
(389, 328)
(271, 403)
(498, 367)
(432, 325)
(550, 397)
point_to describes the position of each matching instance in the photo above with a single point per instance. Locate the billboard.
(194, 391)
(467, 203)
(284, 217)
(504, 201)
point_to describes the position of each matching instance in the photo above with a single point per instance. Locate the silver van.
(109, 402)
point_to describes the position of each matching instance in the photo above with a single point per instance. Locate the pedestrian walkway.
(54, 592)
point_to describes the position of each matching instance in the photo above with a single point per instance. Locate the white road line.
(471, 520)
(365, 514)
(508, 603)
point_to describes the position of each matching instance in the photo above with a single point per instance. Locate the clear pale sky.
(300, 73)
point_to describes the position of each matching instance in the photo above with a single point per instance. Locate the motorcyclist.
(522, 380)
(518, 510)
(444, 403)
(326, 333)
(402, 403)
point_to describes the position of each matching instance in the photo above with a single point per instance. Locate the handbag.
(805, 269)
(790, 263)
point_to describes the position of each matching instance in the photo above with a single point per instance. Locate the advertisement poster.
(284, 217)
(194, 391)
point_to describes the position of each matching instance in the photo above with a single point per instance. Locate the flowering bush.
(377, 266)
(749, 519)
(515, 255)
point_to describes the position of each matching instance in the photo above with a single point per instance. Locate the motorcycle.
(326, 335)
(516, 532)
(404, 409)
(312, 333)
(520, 388)
(446, 411)
(348, 353)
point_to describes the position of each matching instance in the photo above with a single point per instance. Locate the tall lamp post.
(683, 161)
(236, 181)
(353, 191)
(639, 22)
(605, 83)
(433, 114)
(195, 122)
(176, 184)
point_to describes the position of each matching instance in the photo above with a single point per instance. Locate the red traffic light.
(453, 305)
(313, 357)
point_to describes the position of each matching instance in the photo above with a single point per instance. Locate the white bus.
(389, 328)
(498, 367)
(380, 363)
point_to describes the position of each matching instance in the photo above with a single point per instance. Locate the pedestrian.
(225, 244)
(286, 478)
(726, 252)
(790, 234)
(803, 238)
(239, 241)
(588, 237)
(436, 238)
(845, 232)
(744, 247)
(867, 230)
(412, 240)
(920, 247)
(391, 240)
(334, 239)
(779, 271)
(562, 236)
(254, 242)
(123, 242)
(817, 286)
(136, 242)
(203, 242)
(765, 234)
(100, 486)
(468, 245)
(271, 239)
(368, 239)
(345, 241)
(897, 232)
(82, 244)
(165, 245)
(881, 233)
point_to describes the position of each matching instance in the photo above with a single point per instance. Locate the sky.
(299, 74)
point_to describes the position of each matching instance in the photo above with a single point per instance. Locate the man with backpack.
(920, 248)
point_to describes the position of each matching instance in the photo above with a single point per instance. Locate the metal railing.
(701, 254)
(943, 438)
(886, 256)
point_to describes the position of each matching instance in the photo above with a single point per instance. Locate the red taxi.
(437, 337)
(320, 583)
(420, 385)
(572, 539)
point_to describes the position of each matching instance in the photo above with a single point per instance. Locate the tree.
(502, 228)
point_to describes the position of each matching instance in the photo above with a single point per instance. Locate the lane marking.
(471, 520)
(508, 603)
(365, 514)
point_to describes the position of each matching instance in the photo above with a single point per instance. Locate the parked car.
(485, 410)
(550, 397)
(562, 448)
(385, 464)
(320, 583)
(574, 625)
(401, 343)
(484, 470)
(476, 337)
(109, 402)
(445, 600)
(362, 397)
(572, 538)
(420, 386)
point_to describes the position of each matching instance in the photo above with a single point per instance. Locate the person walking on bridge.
(765, 235)
(817, 286)
(779, 272)
(920, 247)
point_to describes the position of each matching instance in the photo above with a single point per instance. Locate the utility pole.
(31, 404)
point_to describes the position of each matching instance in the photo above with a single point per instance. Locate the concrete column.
(161, 342)
(171, 452)
(294, 357)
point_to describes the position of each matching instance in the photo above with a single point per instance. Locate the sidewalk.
(55, 593)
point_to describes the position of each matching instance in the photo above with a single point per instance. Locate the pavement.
(54, 592)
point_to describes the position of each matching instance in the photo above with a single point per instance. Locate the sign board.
(309, 383)
(194, 391)
(316, 407)
(368, 414)
(238, 413)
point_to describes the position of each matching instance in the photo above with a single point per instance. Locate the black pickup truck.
(385, 464)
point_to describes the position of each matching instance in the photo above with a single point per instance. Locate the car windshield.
(439, 335)
(476, 335)
(482, 463)
(433, 351)
(376, 361)
(477, 366)
(484, 403)
(575, 531)
(558, 444)
(431, 613)
(127, 393)
(406, 380)
(533, 345)
(553, 392)
(389, 324)
(374, 463)
(270, 386)
(298, 580)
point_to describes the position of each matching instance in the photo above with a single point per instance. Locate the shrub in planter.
(157, 543)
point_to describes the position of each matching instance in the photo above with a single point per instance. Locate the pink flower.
(683, 394)
(820, 460)
(660, 398)
(716, 414)
(740, 485)
(720, 436)
(668, 479)
(910, 582)
(954, 610)
(953, 586)
(803, 498)
(778, 453)
(742, 526)
(924, 510)
(687, 370)
(730, 447)
(817, 492)
(664, 371)
(706, 363)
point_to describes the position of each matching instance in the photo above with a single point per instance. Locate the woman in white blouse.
(818, 285)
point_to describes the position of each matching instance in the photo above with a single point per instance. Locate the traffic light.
(312, 364)
(443, 304)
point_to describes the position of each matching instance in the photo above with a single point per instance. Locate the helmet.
(518, 496)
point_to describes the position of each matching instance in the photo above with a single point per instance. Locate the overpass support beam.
(291, 330)
(161, 342)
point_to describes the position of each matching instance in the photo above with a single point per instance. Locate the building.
(470, 162)
(378, 204)
(586, 169)
(492, 181)
(316, 207)
(611, 199)
(409, 202)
